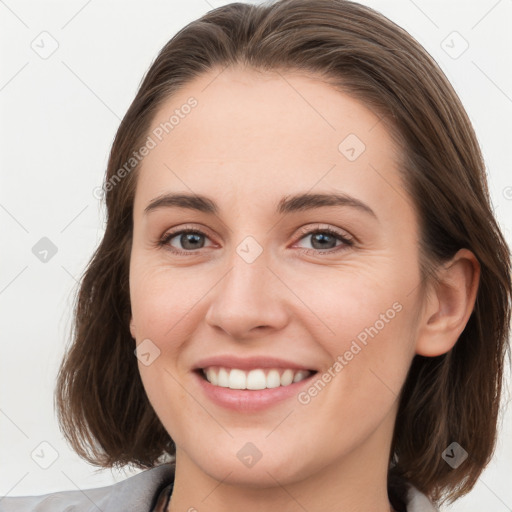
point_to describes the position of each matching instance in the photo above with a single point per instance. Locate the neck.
(356, 482)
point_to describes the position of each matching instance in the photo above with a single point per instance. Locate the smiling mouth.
(256, 379)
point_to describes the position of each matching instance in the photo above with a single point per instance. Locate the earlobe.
(449, 305)
(132, 328)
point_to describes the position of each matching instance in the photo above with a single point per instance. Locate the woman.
(302, 297)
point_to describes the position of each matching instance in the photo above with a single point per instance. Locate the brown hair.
(102, 406)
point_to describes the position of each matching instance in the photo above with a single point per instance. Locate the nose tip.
(246, 302)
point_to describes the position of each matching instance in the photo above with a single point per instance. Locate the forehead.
(265, 133)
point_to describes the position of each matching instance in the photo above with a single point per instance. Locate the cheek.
(367, 326)
(162, 299)
(370, 355)
(350, 299)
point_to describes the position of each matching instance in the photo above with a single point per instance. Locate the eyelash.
(347, 242)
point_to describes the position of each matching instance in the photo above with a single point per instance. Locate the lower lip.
(245, 400)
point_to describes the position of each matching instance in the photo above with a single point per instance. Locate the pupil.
(190, 238)
(319, 237)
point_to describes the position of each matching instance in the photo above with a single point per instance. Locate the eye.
(325, 240)
(187, 239)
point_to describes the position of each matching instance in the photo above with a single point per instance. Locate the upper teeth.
(255, 379)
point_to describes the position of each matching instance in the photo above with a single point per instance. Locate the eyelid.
(311, 229)
(187, 228)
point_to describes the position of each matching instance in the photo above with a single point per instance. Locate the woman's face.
(297, 248)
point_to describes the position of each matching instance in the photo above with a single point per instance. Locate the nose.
(248, 302)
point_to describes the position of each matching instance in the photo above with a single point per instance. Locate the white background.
(58, 119)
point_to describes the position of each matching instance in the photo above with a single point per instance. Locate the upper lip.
(249, 363)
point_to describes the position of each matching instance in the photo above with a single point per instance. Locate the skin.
(252, 139)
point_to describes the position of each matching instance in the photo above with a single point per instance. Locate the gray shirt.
(148, 491)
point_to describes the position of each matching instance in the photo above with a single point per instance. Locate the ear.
(132, 328)
(449, 304)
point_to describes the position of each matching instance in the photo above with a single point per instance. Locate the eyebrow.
(288, 204)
